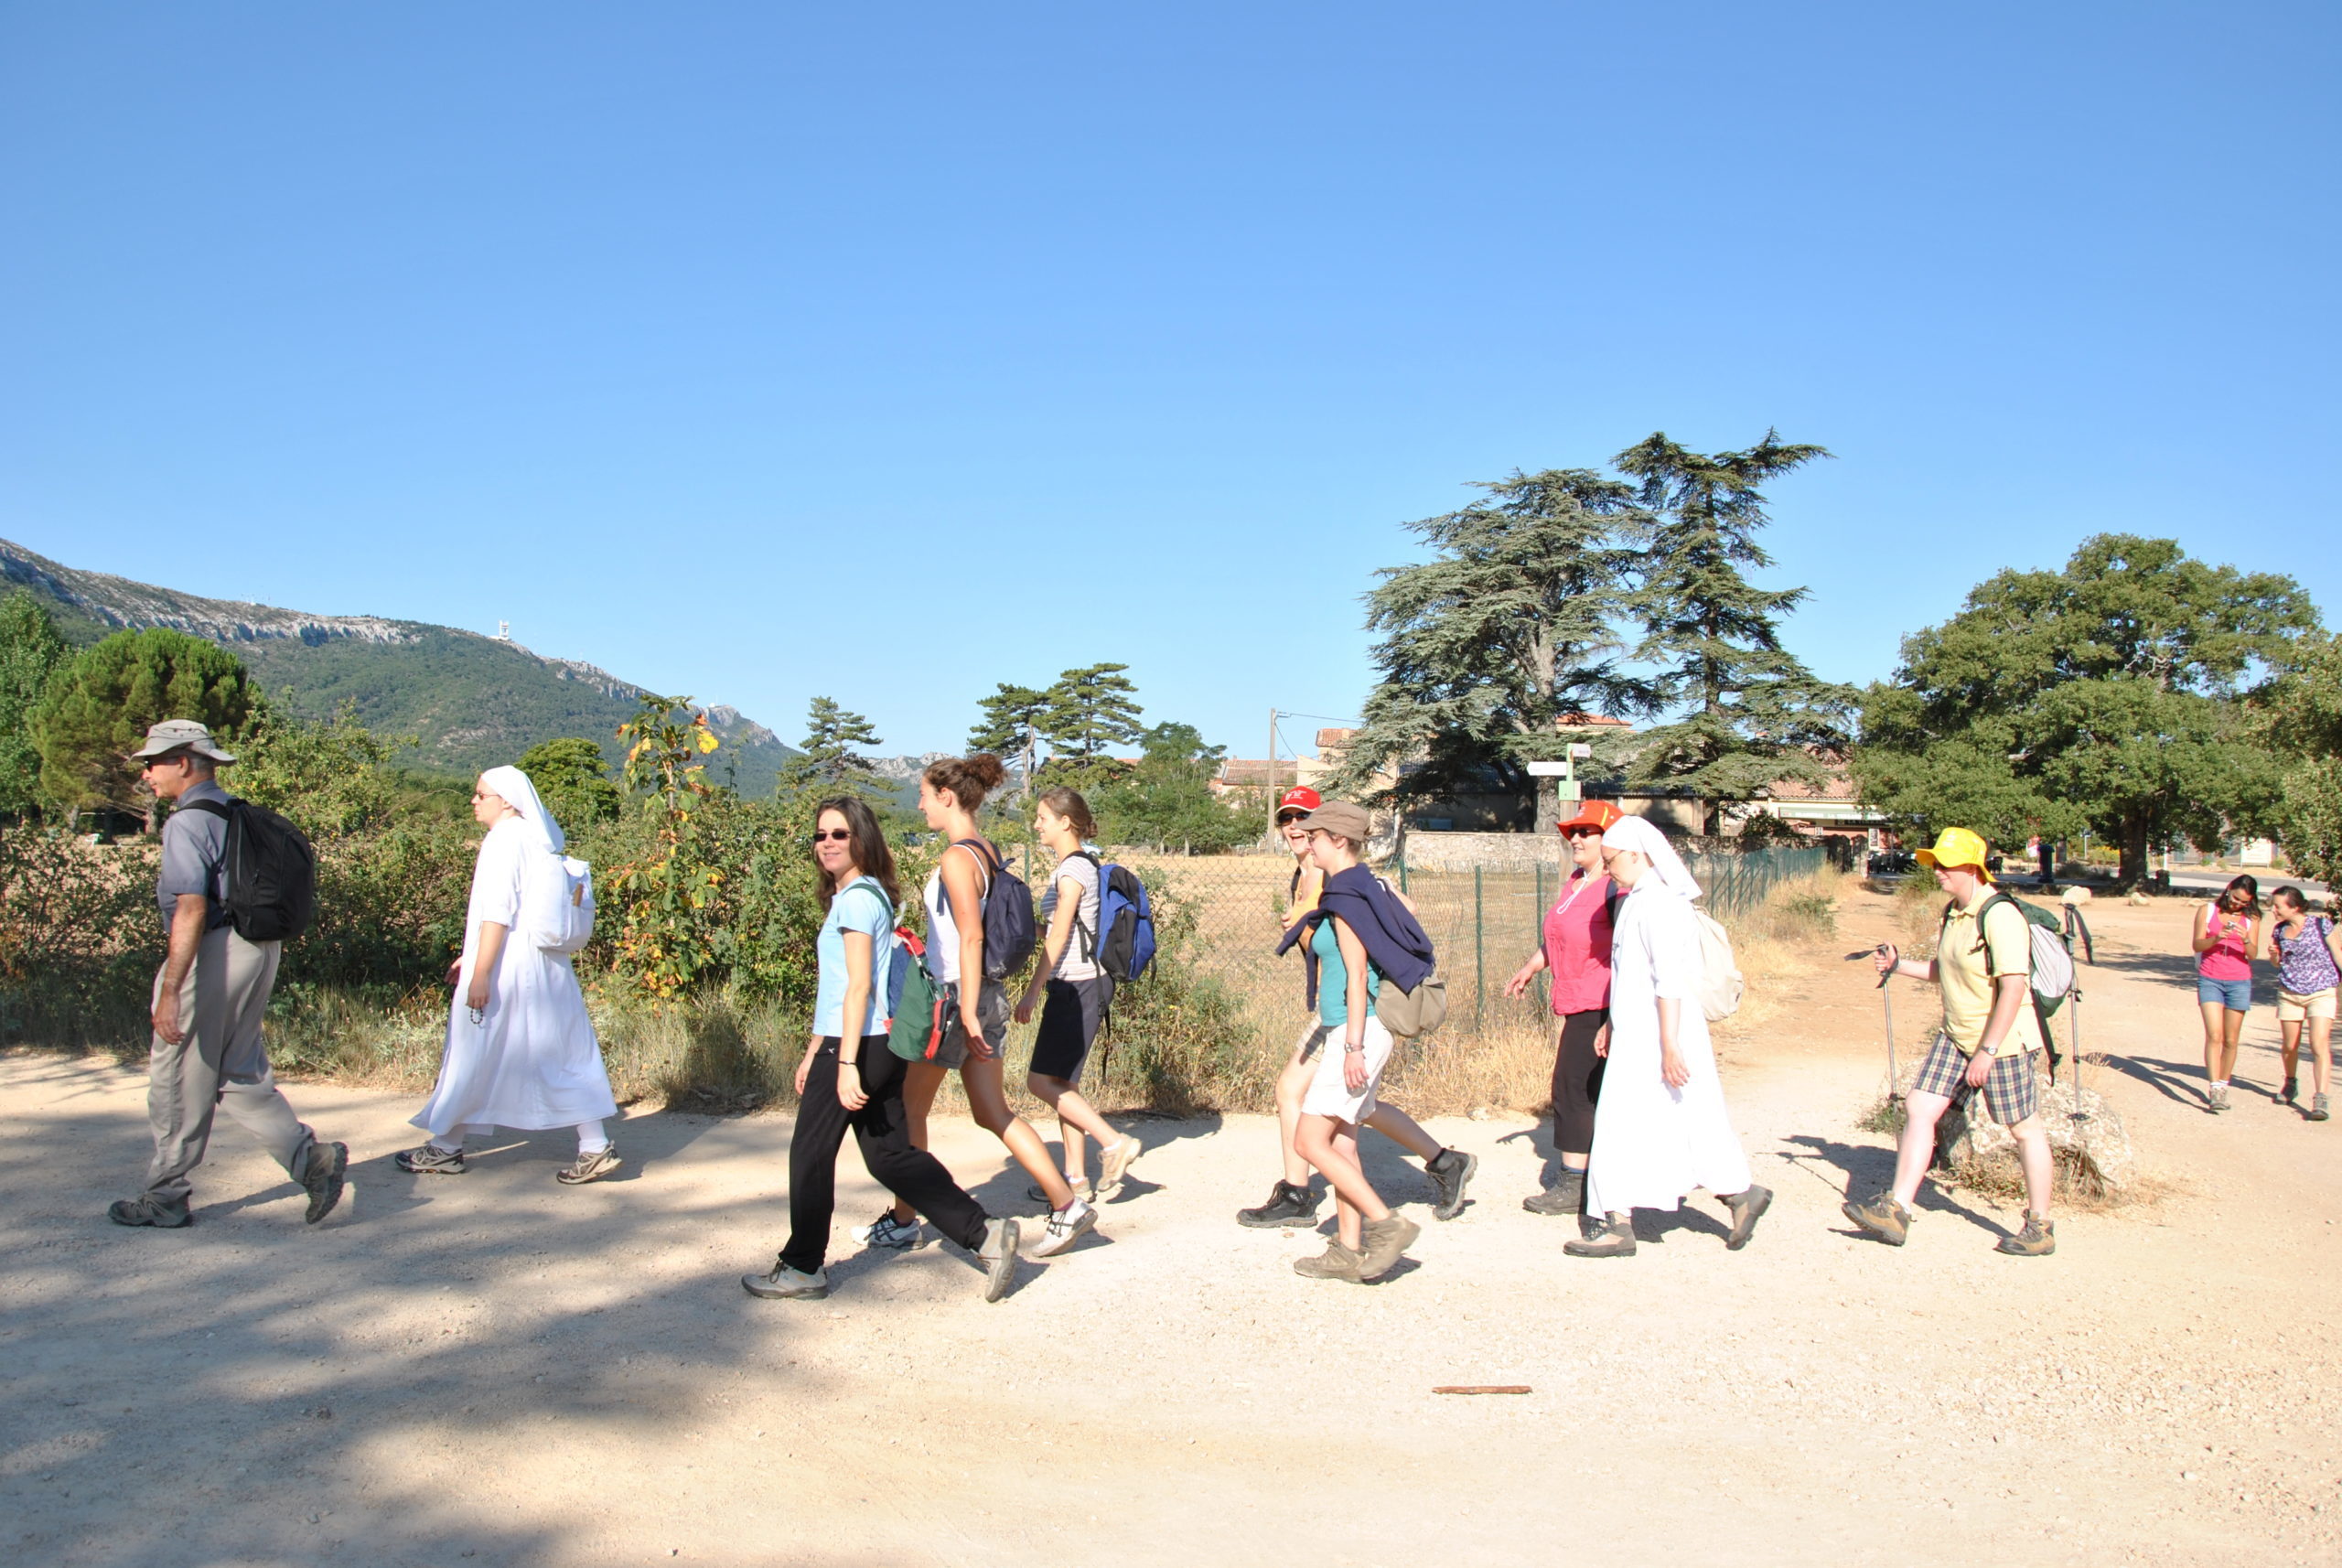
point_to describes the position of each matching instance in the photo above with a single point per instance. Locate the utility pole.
(1273, 775)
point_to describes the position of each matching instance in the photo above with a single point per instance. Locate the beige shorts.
(1329, 1093)
(2292, 1007)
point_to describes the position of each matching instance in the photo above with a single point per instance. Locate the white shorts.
(2294, 1008)
(1329, 1094)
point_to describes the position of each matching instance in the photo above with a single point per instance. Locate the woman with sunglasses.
(1576, 953)
(1292, 1202)
(975, 1007)
(2227, 940)
(849, 1078)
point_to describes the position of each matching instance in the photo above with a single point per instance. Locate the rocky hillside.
(471, 700)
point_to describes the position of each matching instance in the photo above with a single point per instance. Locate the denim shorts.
(2236, 995)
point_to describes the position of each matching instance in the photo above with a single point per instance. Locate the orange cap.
(1595, 814)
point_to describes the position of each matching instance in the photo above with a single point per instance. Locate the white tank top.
(942, 932)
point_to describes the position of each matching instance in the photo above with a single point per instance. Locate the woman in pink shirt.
(1575, 950)
(2228, 939)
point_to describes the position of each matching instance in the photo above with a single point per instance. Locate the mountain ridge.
(471, 701)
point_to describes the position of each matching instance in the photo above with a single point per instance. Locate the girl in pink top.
(1575, 951)
(2228, 937)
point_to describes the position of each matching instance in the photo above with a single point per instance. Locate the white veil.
(1637, 833)
(513, 787)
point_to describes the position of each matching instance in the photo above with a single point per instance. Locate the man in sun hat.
(1983, 966)
(209, 1000)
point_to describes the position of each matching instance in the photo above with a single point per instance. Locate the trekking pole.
(1886, 994)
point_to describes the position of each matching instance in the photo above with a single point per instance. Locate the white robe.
(533, 1063)
(1653, 1145)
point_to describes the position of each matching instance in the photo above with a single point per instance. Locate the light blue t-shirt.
(1334, 977)
(860, 907)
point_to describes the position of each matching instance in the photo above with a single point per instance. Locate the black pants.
(1577, 1082)
(882, 1132)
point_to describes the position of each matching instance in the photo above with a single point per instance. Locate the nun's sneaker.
(589, 1168)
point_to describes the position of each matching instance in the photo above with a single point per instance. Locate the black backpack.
(268, 873)
(1009, 935)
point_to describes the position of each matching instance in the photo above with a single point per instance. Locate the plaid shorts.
(2011, 1094)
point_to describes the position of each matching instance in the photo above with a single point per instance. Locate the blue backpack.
(1009, 936)
(1124, 944)
(901, 952)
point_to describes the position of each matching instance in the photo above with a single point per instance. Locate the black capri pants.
(1577, 1080)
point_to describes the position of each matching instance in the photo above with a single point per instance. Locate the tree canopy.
(1506, 632)
(2105, 696)
(829, 763)
(1013, 720)
(30, 652)
(573, 779)
(1166, 797)
(2300, 719)
(1090, 709)
(1750, 712)
(97, 709)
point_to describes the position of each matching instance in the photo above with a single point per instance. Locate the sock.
(591, 1139)
(451, 1142)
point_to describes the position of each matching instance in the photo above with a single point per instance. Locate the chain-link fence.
(1237, 1006)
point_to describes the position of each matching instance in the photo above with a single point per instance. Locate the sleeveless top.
(2304, 964)
(2227, 960)
(942, 932)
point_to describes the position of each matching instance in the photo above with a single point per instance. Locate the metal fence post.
(1480, 958)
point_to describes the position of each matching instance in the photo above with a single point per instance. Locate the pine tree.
(1751, 712)
(1090, 709)
(97, 709)
(1504, 635)
(30, 652)
(829, 762)
(1011, 726)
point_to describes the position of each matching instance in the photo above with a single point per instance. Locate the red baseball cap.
(1598, 815)
(1300, 798)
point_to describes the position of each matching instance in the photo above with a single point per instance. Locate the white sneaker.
(888, 1232)
(1114, 1162)
(1066, 1226)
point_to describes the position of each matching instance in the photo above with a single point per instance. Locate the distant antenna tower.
(504, 631)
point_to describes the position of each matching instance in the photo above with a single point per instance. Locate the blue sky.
(761, 352)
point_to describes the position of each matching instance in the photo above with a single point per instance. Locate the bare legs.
(2222, 1028)
(1292, 1088)
(988, 1102)
(1921, 1113)
(2321, 1031)
(1076, 1116)
(1331, 1145)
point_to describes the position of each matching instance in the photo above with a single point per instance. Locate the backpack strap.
(1090, 937)
(986, 857)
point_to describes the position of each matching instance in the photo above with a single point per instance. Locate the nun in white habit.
(520, 1050)
(1661, 1128)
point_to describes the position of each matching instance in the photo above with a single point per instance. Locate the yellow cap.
(1956, 847)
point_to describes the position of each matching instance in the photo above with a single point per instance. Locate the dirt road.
(492, 1369)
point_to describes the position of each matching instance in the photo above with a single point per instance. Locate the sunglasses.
(834, 836)
(1286, 818)
(1586, 832)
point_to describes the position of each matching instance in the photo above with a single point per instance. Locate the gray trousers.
(219, 1061)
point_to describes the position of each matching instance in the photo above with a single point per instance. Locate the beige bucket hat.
(181, 734)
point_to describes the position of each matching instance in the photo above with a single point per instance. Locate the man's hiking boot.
(323, 1175)
(1565, 1197)
(430, 1160)
(997, 1253)
(2318, 1111)
(148, 1209)
(1336, 1262)
(589, 1168)
(785, 1283)
(1287, 1205)
(1382, 1242)
(1450, 1171)
(2037, 1240)
(1615, 1240)
(1883, 1218)
(1746, 1208)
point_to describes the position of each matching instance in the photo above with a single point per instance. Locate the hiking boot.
(323, 1174)
(430, 1160)
(1082, 1191)
(1883, 1218)
(1384, 1239)
(2290, 1093)
(148, 1209)
(997, 1253)
(1336, 1262)
(1066, 1226)
(1565, 1197)
(1113, 1164)
(1451, 1172)
(888, 1232)
(1746, 1208)
(1615, 1240)
(2317, 1111)
(785, 1283)
(1287, 1205)
(2037, 1240)
(589, 1168)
